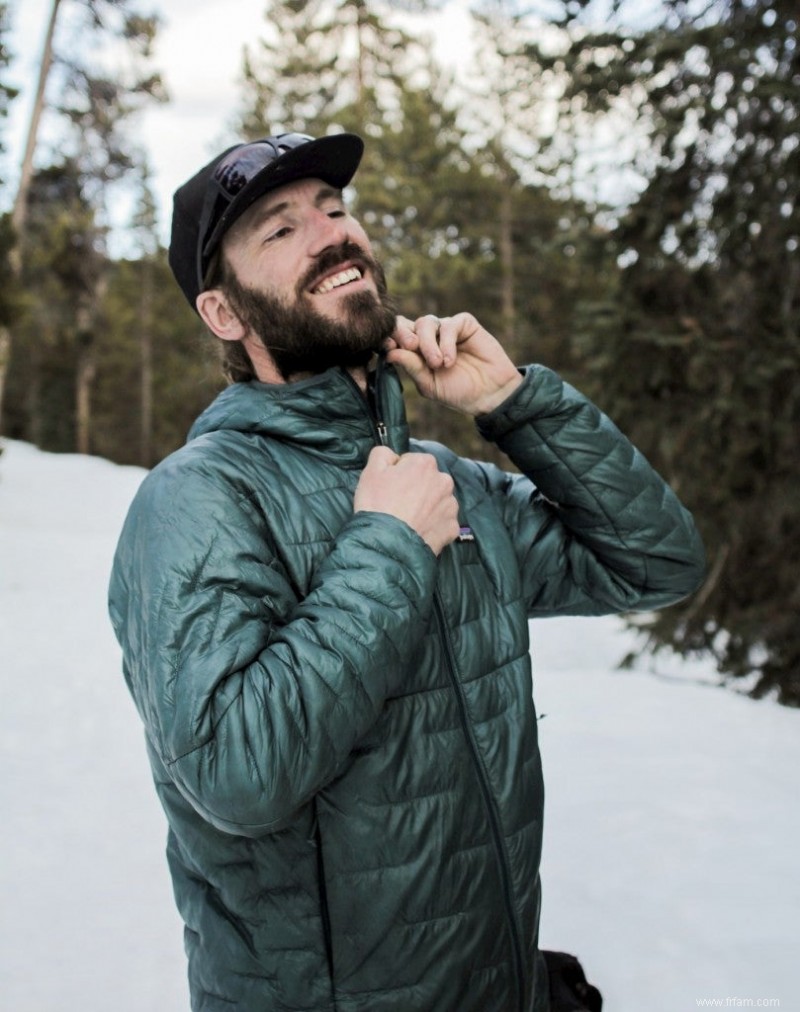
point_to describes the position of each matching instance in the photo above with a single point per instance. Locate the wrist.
(491, 401)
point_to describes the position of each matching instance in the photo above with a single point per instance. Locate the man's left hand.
(454, 360)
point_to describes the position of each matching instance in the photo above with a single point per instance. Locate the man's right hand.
(412, 488)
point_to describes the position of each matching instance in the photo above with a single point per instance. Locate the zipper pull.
(383, 433)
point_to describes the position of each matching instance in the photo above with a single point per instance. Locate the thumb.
(381, 457)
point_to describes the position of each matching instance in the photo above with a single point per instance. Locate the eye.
(279, 233)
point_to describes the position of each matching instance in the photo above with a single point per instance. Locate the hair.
(236, 364)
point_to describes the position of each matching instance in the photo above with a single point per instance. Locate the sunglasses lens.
(235, 172)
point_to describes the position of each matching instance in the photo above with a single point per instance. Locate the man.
(325, 625)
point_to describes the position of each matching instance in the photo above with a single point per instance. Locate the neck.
(359, 374)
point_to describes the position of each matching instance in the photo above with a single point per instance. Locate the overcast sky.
(199, 55)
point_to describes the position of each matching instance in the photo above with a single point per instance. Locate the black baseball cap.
(206, 206)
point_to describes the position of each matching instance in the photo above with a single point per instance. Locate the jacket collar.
(325, 414)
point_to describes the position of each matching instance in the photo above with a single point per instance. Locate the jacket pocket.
(323, 904)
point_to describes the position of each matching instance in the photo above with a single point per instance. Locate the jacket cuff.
(522, 405)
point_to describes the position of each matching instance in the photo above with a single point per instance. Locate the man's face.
(300, 274)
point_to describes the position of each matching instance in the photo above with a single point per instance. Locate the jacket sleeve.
(596, 529)
(252, 698)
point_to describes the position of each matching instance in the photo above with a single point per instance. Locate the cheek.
(357, 235)
(275, 279)
(271, 272)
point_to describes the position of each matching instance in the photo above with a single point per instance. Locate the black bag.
(570, 991)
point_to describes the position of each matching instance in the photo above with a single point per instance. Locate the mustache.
(331, 257)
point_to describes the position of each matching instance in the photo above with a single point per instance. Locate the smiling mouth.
(343, 277)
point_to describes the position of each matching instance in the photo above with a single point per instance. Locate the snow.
(672, 811)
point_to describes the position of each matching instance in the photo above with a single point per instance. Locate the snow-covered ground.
(672, 825)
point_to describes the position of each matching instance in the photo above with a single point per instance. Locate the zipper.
(372, 407)
(371, 404)
(374, 401)
(486, 790)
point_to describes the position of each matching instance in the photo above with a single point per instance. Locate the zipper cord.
(488, 797)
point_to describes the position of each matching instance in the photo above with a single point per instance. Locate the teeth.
(343, 278)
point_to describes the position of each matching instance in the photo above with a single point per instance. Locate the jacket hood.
(326, 414)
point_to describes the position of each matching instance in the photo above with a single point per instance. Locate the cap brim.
(332, 159)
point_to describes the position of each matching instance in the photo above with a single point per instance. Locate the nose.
(327, 231)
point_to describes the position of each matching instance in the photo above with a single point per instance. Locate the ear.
(217, 314)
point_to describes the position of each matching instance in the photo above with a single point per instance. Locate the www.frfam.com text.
(738, 1002)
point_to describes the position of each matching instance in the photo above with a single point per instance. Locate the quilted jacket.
(340, 725)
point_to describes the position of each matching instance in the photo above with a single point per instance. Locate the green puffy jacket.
(341, 725)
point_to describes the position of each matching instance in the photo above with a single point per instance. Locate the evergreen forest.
(673, 300)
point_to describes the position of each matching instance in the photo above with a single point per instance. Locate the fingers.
(404, 336)
(427, 331)
(448, 340)
(412, 488)
(434, 340)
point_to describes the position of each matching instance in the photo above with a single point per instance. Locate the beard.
(300, 339)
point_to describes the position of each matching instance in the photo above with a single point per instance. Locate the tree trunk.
(361, 14)
(33, 397)
(86, 317)
(84, 376)
(146, 359)
(84, 379)
(507, 294)
(5, 355)
(20, 209)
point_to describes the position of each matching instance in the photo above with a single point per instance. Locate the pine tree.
(699, 343)
(325, 64)
(461, 221)
(145, 230)
(87, 95)
(184, 373)
(59, 276)
(291, 78)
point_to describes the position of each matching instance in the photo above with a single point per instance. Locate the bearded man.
(324, 622)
